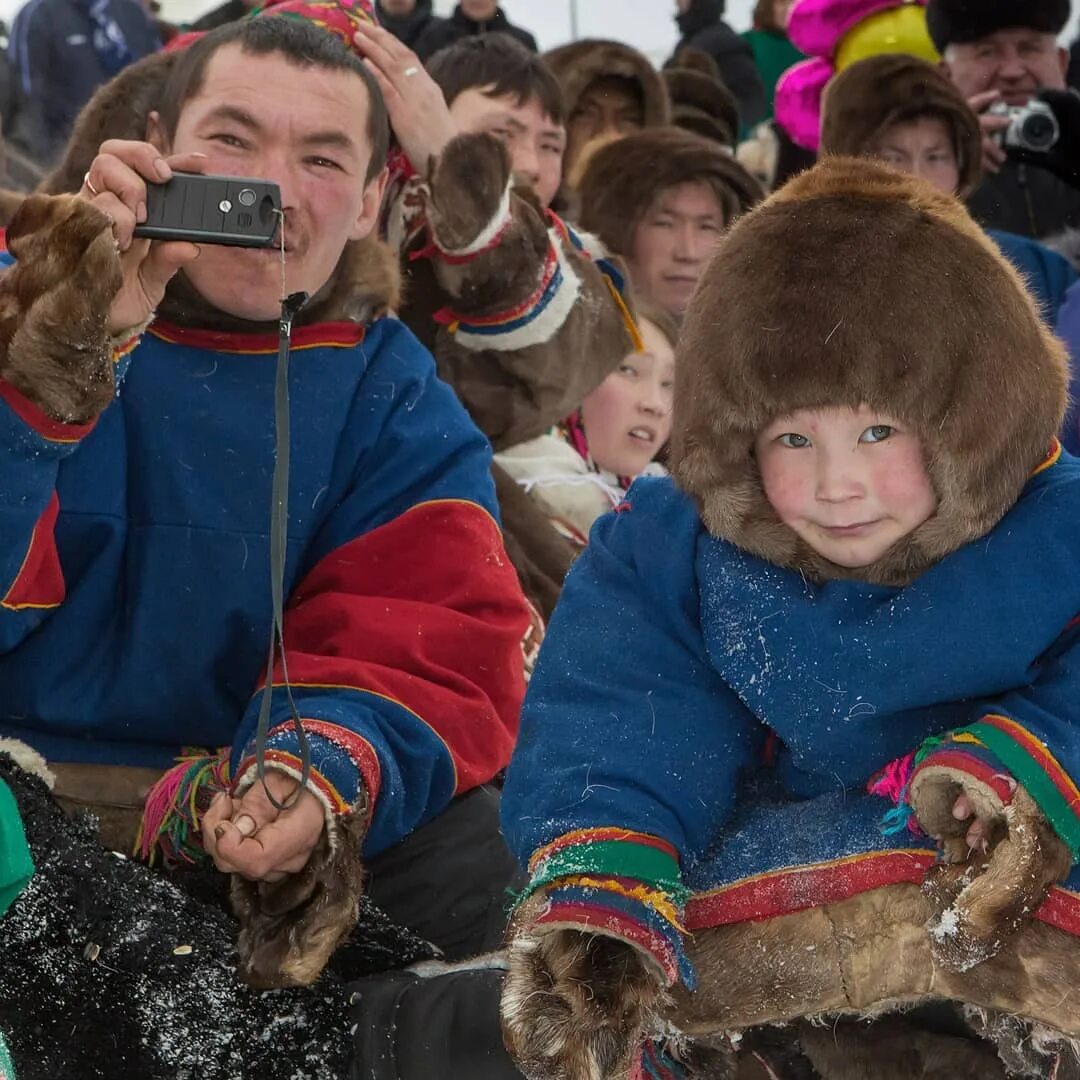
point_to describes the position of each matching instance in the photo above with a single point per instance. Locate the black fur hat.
(952, 22)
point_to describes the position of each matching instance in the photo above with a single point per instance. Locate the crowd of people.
(680, 621)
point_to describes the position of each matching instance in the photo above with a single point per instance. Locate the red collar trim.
(317, 335)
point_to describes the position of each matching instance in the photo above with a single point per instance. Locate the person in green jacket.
(773, 51)
(16, 868)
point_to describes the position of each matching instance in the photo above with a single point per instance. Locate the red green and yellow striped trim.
(600, 835)
(1033, 765)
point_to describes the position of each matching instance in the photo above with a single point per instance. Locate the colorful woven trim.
(656, 1063)
(523, 313)
(894, 783)
(290, 763)
(959, 751)
(621, 915)
(626, 882)
(175, 805)
(1033, 765)
(610, 852)
(613, 277)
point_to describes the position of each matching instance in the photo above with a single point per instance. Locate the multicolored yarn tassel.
(656, 1063)
(174, 805)
(894, 783)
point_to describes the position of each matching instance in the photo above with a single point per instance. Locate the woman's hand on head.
(418, 111)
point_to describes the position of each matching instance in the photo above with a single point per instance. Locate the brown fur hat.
(624, 178)
(856, 284)
(582, 62)
(868, 97)
(700, 102)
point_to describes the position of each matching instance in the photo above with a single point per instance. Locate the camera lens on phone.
(247, 197)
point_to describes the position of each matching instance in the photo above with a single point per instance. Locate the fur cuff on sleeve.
(344, 771)
(618, 883)
(992, 757)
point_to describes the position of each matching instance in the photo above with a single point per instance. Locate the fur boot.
(577, 1005)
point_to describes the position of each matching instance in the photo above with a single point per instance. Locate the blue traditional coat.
(699, 734)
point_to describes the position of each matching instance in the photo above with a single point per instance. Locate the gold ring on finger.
(89, 184)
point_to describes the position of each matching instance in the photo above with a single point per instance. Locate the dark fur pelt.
(111, 970)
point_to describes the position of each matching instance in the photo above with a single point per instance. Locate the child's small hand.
(977, 837)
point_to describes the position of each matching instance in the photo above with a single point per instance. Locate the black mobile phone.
(231, 210)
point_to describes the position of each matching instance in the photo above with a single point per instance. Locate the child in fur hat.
(858, 589)
(582, 467)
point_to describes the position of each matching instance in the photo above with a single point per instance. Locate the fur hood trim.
(953, 22)
(581, 63)
(624, 178)
(868, 97)
(367, 282)
(700, 102)
(855, 284)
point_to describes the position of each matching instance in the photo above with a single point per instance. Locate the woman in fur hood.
(802, 739)
(906, 113)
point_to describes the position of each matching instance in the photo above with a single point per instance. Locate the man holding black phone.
(1004, 56)
(135, 572)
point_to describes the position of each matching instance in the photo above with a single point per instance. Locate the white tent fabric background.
(647, 24)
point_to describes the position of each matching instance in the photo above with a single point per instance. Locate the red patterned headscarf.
(339, 17)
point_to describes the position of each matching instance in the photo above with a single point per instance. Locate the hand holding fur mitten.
(290, 928)
(576, 1005)
(987, 892)
(55, 347)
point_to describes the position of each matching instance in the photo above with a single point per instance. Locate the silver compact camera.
(1032, 127)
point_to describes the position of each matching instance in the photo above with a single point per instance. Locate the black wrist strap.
(279, 535)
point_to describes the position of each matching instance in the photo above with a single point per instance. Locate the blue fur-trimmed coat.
(676, 664)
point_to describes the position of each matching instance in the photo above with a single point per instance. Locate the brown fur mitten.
(984, 898)
(577, 1005)
(55, 347)
(290, 928)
